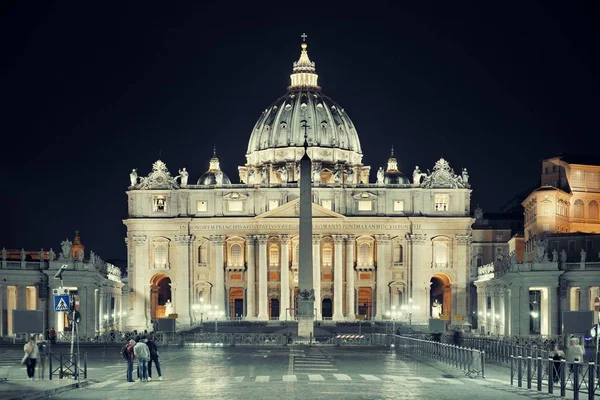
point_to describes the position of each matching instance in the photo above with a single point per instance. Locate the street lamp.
(409, 308)
(200, 308)
(216, 314)
(393, 314)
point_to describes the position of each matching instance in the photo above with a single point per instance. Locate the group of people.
(145, 351)
(575, 352)
(36, 354)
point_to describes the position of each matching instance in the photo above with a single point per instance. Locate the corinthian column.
(216, 241)
(284, 263)
(262, 277)
(182, 301)
(137, 284)
(250, 279)
(317, 273)
(350, 301)
(383, 242)
(338, 314)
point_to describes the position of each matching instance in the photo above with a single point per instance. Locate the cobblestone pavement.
(294, 373)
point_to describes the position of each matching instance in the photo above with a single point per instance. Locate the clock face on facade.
(159, 179)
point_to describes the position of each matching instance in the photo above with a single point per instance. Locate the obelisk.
(306, 293)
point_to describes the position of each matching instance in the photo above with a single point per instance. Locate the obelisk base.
(306, 317)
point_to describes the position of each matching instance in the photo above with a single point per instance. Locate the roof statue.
(443, 176)
(159, 178)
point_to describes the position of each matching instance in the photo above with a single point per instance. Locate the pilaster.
(250, 279)
(350, 297)
(382, 242)
(137, 296)
(338, 314)
(316, 240)
(284, 302)
(216, 242)
(183, 300)
(418, 281)
(262, 278)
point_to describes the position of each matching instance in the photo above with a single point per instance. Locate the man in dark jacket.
(153, 358)
(129, 356)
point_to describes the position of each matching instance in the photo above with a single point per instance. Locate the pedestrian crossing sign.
(61, 303)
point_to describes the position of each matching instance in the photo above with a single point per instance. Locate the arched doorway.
(160, 293)
(441, 292)
(274, 308)
(326, 309)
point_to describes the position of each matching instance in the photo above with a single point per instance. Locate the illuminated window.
(327, 255)
(546, 209)
(160, 204)
(273, 255)
(592, 180)
(235, 206)
(578, 209)
(546, 227)
(365, 205)
(441, 202)
(441, 254)
(236, 255)
(399, 205)
(593, 209)
(201, 206)
(160, 256)
(273, 204)
(578, 178)
(364, 254)
(326, 204)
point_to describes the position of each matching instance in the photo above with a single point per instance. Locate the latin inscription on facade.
(266, 227)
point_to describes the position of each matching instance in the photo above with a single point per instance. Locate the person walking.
(44, 352)
(141, 352)
(153, 358)
(557, 355)
(52, 336)
(128, 355)
(32, 353)
(575, 352)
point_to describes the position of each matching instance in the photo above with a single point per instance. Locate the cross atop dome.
(303, 74)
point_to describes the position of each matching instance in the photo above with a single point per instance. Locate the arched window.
(364, 254)
(236, 255)
(593, 209)
(327, 255)
(400, 253)
(578, 209)
(273, 255)
(160, 255)
(201, 255)
(546, 209)
(441, 254)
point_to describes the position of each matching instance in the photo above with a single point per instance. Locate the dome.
(278, 135)
(392, 175)
(214, 175)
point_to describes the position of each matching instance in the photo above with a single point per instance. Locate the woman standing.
(32, 353)
(44, 353)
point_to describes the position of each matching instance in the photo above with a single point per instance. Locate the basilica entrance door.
(236, 302)
(326, 309)
(365, 302)
(160, 293)
(440, 293)
(274, 309)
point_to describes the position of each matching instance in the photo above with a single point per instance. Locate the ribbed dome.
(279, 127)
(214, 175)
(392, 175)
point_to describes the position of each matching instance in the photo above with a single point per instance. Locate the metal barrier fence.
(69, 366)
(501, 350)
(577, 377)
(472, 361)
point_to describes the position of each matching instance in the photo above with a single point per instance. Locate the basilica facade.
(222, 250)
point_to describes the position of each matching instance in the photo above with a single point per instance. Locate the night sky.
(91, 91)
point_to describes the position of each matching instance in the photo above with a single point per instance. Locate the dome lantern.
(303, 74)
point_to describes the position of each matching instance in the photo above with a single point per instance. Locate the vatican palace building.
(380, 240)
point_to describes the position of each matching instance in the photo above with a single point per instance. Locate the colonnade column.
(481, 309)
(338, 288)
(493, 319)
(218, 300)
(250, 279)
(182, 301)
(101, 311)
(317, 274)
(584, 298)
(350, 301)
(284, 263)
(382, 242)
(502, 312)
(4, 311)
(97, 317)
(262, 277)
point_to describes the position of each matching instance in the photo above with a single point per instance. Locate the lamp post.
(409, 308)
(200, 308)
(216, 314)
(393, 315)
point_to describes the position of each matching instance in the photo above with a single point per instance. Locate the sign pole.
(597, 309)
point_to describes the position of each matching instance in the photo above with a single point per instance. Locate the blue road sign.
(61, 303)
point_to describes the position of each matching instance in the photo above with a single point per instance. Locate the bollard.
(482, 364)
(575, 382)
(50, 366)
(60, 372)
(591, 382)
(539, 374)
(512, 370)
(519, 372)
(563, 378)
(85, 365)
(529, 372)
(550, 376)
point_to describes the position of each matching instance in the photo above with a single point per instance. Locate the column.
(502, 312)
(584, 298)
(97, 321)
(480, 310)
(338, 287)
(350, 291)
(138, 304)
(250, 279)
(382, 242)
(460, 289)
(284, 263)
(102, 310)
(317, 274)
(507, 312)
(218, 300)
(3, 310)
(21, 297)
(419, 281)
(182, 301)
(262, 278)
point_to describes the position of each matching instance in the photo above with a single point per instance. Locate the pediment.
(292, 210)
(364, 196)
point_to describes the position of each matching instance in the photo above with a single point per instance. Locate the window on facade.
(399, 205)
(479, 263)
(593, 209)
(201, 255)
(499, 237)
(554, 168)
(160, 255)
(441, 202)
(160, 204)
(364, 254)
(398, 254)
(547, 209)
(273, 255)
(578, 208)
(578, 178)
(441, 254)
(571, 245)
(327, 255)
(236, 255)
(201, 206)
(326, 204)
(592, 180)
(546, 227)
(273, 204)
(235, 206)
(365, 205)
